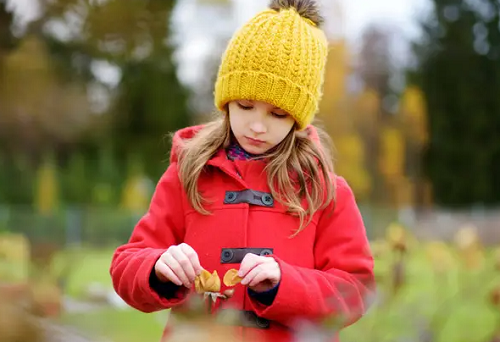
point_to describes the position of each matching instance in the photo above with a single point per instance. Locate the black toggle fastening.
(254, 197)
(236, 255)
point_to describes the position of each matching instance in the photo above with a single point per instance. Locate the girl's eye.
(279, 116)
(244, 107)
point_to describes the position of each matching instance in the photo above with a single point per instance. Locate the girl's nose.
(258, 125)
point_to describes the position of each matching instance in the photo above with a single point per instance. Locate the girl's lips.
(255, 142)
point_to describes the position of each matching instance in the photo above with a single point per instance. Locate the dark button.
(261, 322)
(230, 196)
(227, 255)
(267, 200)
(265, 252)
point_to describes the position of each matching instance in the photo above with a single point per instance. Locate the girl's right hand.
(179, 264)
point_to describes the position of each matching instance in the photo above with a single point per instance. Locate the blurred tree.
(7, 40)
(335, 101)
(20, 179)
(375, 69)
(458, 70)
(337, 72)
(150, 101)
(88, 74)
(107, 178)
(150, 104)
(138, 189)
(38, 110)
(351, 163)
(47, 187)
(413, 117)
(3, 178)
(375, 60)
(76, 180)
(392, 156)
(392, 160)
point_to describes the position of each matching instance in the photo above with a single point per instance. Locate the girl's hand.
(179, 264)
(259, 273)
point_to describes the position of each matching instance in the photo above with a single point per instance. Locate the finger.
(248, 263)
(251, 275)
(185, 263)
(165, 271)
(265, 272)
(193, 256)
(174, 265)
(262, 276)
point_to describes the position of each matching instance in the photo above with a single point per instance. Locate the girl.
(255, 191)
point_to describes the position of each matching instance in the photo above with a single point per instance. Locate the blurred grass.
(455, 303)
(90, 266)
(118, 325)
(129, 325)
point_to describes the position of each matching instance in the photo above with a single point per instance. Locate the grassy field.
(443, 295)
(128, 325)
(118, 325)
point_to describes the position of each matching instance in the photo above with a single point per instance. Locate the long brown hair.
(297, 168)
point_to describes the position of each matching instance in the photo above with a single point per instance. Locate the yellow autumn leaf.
(207, 282)
(231, 278)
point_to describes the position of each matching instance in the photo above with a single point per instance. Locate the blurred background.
(90, 89)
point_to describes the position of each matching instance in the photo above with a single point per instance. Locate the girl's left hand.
(259, 273)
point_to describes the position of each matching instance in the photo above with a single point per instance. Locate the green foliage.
(56, 110)
(459, 72)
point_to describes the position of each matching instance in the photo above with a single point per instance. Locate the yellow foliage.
(46, 199)
(470, 248)
(368, 105)
(333, 112)
(29, 61)
(351, 151)
(392, 153)
(336, 73)
(415, 115)
(14, 257)
(404, 191)
(135, 197)
(30, 87)
(467, 238)
(396, 236)
(440, 256)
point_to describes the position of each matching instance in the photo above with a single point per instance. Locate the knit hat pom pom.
(307, 9)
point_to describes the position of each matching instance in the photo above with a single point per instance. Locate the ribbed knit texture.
(278, 58)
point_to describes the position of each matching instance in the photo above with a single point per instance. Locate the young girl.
(255, 191)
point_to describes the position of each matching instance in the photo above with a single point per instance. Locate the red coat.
(326, 269)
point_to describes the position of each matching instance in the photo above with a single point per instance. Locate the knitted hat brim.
(270, 88)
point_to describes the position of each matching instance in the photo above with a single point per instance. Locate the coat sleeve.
(133, 263)
(342, 282)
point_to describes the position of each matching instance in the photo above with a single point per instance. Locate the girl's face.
(258, 126)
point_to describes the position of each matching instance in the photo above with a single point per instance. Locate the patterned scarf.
(236, 152)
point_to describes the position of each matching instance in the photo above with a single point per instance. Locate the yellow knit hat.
(277, 57)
